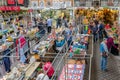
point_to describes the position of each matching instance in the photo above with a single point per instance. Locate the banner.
(34, 4)
(68, 4)
(58, 4)
(41, 4)
(48, 3)
(110, 3)
(9, 8)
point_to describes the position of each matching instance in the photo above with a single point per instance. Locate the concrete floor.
(113, 67)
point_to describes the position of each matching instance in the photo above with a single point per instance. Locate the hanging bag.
(104, 54)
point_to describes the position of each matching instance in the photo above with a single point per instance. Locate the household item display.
(72, 71)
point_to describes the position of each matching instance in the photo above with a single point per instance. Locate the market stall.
(66, 66)
(104, 14)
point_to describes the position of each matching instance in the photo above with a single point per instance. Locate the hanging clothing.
(22, 56)
(21, 40)
(6, 60)
(20, 52)
(11, 2)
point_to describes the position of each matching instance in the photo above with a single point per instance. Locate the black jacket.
(40, 26)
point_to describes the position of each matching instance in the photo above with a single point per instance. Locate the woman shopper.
(104, 54)
(112, 47)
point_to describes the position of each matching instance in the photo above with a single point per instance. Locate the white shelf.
(31, 70)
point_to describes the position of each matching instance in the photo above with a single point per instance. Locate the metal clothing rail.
(91, 60)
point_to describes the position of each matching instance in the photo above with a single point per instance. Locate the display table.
(31, 69)
(73, 71)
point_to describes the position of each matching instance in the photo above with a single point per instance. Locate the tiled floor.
(113, 69)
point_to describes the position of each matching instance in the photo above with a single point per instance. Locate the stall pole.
(73, 8)
(2, 3)
(91, 56)
(119, 13)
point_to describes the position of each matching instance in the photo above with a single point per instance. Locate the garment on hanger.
(6, 60)
(11, 2)
(22, 42)
(20, 52)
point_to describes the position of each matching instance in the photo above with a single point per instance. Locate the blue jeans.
(100, 34)
(95, 36)
(59, 25)
(103, 63)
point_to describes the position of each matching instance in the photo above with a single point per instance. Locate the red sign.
(20, 1)
(10, 8)
(11, 2)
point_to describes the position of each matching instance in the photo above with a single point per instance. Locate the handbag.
(104, 54)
